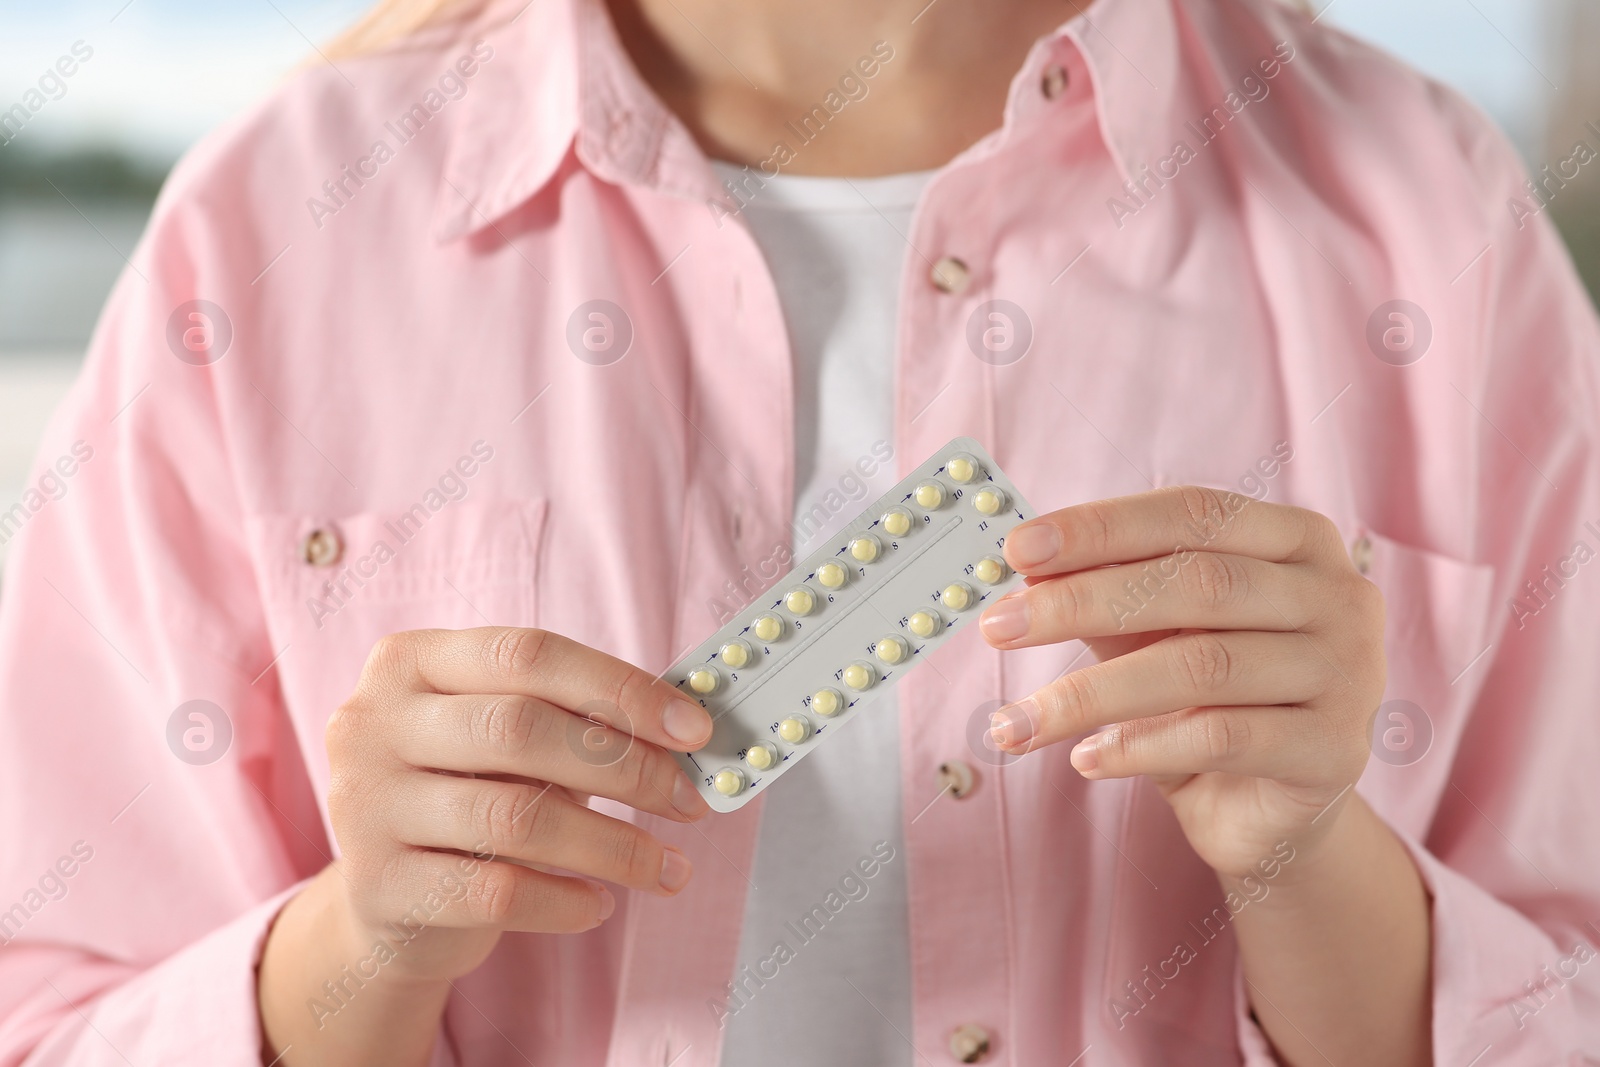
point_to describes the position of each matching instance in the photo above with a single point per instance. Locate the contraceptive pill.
(859, 676)
(990, 570)
(963, 468)
(849, 621)
(892, 649)
(957, 596)
(896, 522)
(989, 500)
(801, 601)
(832, 574)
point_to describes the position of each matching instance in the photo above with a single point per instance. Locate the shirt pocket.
(333, 585)
(1438, 618)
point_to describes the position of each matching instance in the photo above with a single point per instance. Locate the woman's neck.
(902, 84)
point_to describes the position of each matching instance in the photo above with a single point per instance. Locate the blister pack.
(849, 621)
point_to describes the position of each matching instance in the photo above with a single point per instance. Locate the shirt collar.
(1131, 50)
(560, 80)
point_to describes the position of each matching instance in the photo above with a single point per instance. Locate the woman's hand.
(460, 770)
(1241, 659)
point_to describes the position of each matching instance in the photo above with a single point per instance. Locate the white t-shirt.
(832, 986)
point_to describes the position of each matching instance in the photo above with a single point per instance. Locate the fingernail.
(685, 723)
(675, 871)
(608, 903)
(1007, 620)
(1015, 724)
(687, 799)
(1032, 544)
(1086, 755)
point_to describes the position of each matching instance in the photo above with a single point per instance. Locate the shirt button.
(956, 778)
(1053, 82)
(1361, 553)
(322, 547)
(950, 275)
(969, 1043)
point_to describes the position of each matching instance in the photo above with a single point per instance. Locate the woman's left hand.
(1241, 660)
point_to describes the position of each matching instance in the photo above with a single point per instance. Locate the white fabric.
(836, 248)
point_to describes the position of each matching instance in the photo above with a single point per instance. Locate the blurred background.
(78, 176)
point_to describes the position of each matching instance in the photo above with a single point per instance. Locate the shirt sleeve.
(153, 803)
(1510, 859)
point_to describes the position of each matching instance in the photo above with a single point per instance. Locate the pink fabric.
(404, 348)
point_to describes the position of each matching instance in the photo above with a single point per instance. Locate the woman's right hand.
(461, 756)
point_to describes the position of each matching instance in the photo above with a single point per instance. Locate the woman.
(459, 388)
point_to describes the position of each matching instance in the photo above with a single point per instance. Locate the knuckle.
(341, 729)
(1099, 527)
(1215, 581)
(1120, 747)
(351, 796)
(1072, 703)
(1203, 663)
(632, 688)
(1069, 601)
(1318, 534)
(1370, 605)
(634, 856)
(640, 773)
(1222, 735)
(505, 817)
(1202, 504)
(509, 725)
(515, 651)
(391, 655)
(491, 896)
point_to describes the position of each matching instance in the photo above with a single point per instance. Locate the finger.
(532, 738)
(1292, 745)
(1164, 521)
(422, 888)
(538, 824)
(1238, 667)
(1190, 590)
(538, 663)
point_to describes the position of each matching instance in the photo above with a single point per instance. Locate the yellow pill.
(801, 601)
(736, 654)
(957, 596)
(963, 468)
(989, 500)
(832, 575)
(859, 676)
(827, 702)
(728, 782)
(897, 522)
(924, 623)
(864, 549)
(930, 495)
(990, 570)
(794, 729)
(761, 756)
(768, 627)
(704, 680)
(892, 649)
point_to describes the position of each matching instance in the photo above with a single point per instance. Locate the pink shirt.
(400, 367)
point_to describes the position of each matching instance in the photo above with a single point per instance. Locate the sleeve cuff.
(197, 1007)
(1504, 992)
